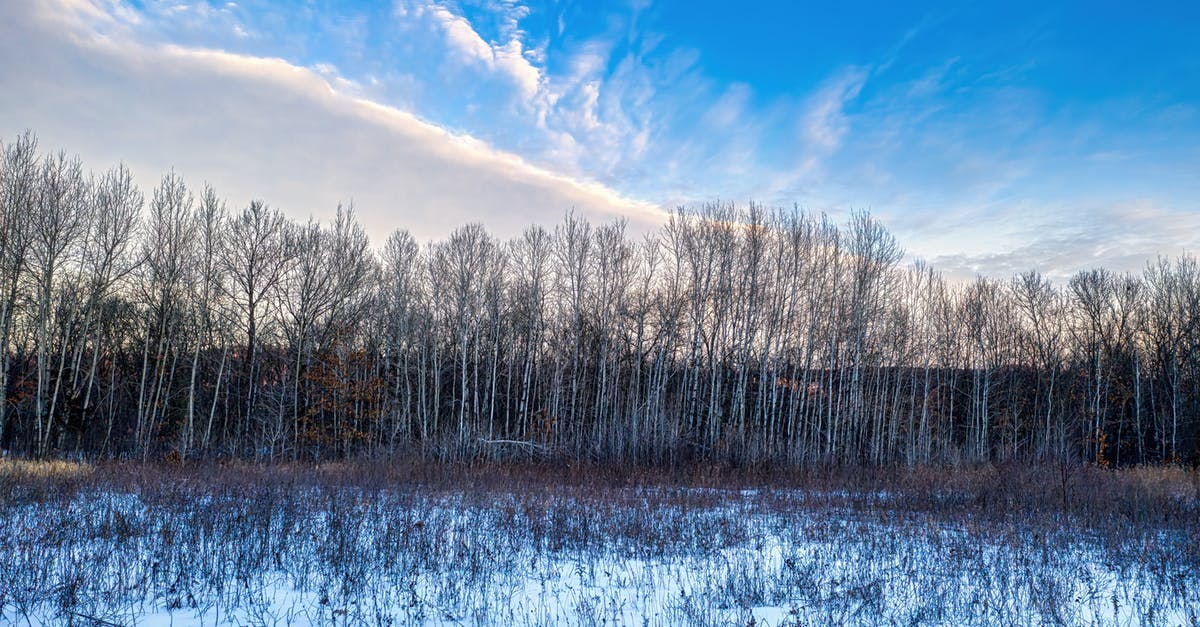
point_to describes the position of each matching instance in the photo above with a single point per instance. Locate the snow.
(557, 560)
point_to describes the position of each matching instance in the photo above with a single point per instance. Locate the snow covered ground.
(342, 556)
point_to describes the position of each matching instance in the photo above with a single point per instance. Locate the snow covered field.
(298, 553)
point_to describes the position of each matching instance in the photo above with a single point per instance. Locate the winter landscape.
(435, 313)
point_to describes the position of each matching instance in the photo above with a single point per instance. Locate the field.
(126, 544)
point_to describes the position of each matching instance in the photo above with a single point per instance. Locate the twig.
(98, 621)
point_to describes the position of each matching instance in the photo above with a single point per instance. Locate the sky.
(989, 137)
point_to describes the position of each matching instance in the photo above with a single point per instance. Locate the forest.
(166, 324)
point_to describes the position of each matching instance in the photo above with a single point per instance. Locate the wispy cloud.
(508, 57)
(825, 121)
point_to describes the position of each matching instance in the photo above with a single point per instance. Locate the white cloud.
(1120, 235)
(507, 57)
(595, 117)
(264, 128)
(822, 126)
(825, 122)
(729, 110)
(461, 35)
(511, 60)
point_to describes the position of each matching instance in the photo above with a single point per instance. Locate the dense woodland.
(168, 324)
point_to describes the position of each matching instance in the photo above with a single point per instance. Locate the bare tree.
(255, 260)
(109, 259)
(208, 312)
(58, 226)
(19, 180)
(167, 269)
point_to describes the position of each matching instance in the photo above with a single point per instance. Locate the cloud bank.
(259, 127)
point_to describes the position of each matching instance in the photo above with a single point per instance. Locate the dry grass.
(27, 471)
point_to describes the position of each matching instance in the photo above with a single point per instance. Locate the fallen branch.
(533, 446)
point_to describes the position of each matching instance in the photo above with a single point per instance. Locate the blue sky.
(990, 137)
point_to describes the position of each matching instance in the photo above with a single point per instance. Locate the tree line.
(143, 326)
